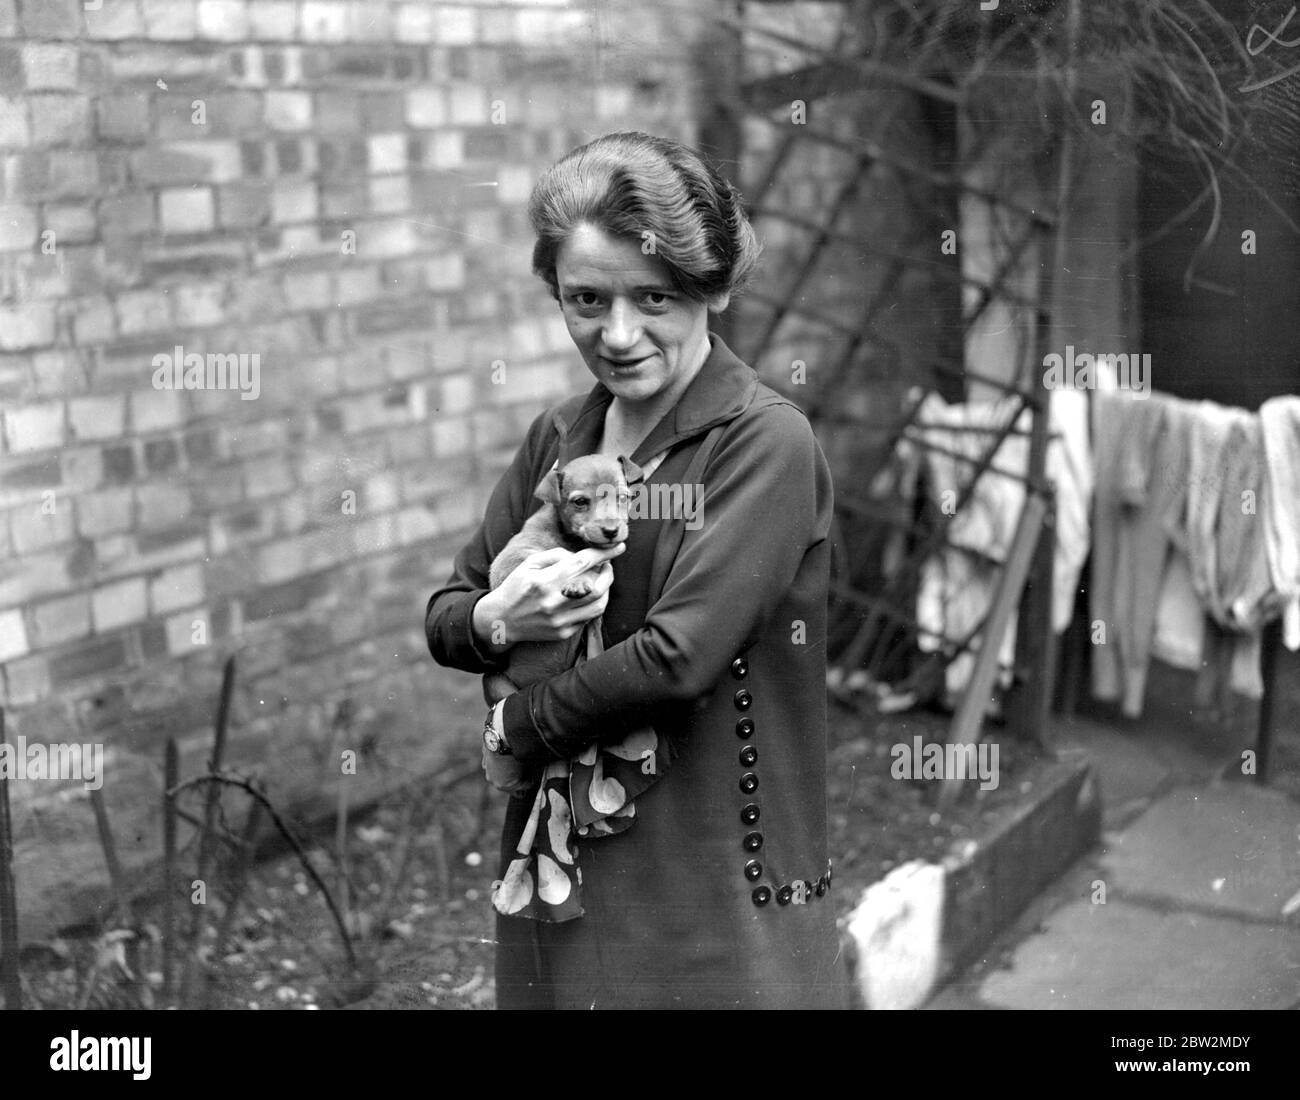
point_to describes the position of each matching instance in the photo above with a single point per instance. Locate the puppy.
(585, 504)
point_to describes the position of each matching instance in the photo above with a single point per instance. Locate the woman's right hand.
(530, 604)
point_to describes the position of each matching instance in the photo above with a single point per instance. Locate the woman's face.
(640, 337)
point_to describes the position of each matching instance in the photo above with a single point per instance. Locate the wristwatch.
(494, 739)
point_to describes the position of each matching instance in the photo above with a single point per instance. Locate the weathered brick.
(33, 529)
(93, 321)
(243, 205)
(414, 23)
(387, 153)
(469, 105)
(224, 20)
(49, 66)
(119, 464)
(8, 19)
(186, 209)
(114, 20)
(288, 110)
(447, 149)
(382, 111)
(118, 604)
(141, 311)
(161, 456)
(170, 20)
(426, 108)
(60, 620)
(451, 436)
(13, 80)
(71, 223)
(324, 21)
(308, 290)
(97, 417)
(34, 427)
(91, 658)
(336, 110)
(269, 476)
(13, 635)
(51, 19)
(157, 410)
(273, 20)
(104, 513)
(293, 201)
(19, 226)
(455, 26)
(390, 194)
(187, 162)
(73, 173)
(81, 468)
(124, 117)
(27, 681)
(59, 372)
(14, 129)
(175, 588)
(161, 506)
(199, 304)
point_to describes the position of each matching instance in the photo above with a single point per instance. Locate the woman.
(713, 889)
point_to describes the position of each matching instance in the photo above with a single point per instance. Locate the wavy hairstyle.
(630, 184)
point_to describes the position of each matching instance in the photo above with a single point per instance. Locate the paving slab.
(1126, 766)
(1231, 847)
(1124, 956)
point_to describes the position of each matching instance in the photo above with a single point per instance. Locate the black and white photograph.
(605, 505)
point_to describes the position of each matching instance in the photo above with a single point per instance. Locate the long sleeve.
(448, 620)
(767, 501)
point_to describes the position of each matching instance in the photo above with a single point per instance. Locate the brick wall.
(336, 188)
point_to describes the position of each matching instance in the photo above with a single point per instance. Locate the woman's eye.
(656, 298)
(586, 299)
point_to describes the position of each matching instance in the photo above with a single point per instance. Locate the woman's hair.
(647, 188)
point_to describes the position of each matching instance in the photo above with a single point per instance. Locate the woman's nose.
(621, 329)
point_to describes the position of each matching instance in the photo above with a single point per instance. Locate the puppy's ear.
(548, 489)
(631, 471)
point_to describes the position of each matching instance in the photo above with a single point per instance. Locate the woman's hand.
(530, 605)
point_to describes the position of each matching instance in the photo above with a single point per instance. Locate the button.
(783, 895)
(762, 895)
(749, 782)
(749, 756)
(821, 886)
(753, 842)
(744, 700)
(745, 728)
(753, 870)
(740, 668)
(749, 814)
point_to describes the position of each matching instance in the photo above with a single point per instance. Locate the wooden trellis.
(876, 628)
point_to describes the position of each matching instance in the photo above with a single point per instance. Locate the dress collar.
(722, 389)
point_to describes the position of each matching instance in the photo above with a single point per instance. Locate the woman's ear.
(548, 489)
(718, 302)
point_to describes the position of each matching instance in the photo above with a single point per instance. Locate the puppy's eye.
(579, 501)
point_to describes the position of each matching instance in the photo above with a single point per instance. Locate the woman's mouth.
(624, 364)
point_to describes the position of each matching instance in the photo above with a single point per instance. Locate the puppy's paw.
(577, 589)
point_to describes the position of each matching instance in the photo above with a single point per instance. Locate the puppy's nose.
(609, 532)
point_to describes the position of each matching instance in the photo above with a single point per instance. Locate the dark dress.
(719, 895)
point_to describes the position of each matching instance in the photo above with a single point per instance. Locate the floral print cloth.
(590, 796)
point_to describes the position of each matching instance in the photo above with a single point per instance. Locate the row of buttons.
(801, 889)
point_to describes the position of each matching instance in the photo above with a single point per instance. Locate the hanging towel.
(1280, 431)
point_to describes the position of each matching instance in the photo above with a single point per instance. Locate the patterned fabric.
(592, 796)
